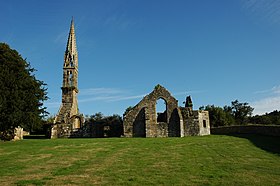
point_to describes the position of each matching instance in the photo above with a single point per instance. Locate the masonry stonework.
(69, 120)
(143, 121)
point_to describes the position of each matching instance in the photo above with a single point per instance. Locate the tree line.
(239, 114)
(272, 118)
(105, 126)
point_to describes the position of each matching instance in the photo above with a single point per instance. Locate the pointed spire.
(71, 54)
(72, 29)
(71, 43)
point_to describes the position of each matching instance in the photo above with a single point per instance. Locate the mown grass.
(208, 160)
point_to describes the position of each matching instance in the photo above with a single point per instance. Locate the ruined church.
(143, 120)
(68, 118)
(140, 121)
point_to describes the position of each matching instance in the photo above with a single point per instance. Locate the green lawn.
(208, 160)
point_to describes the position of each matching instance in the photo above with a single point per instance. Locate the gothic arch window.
(77, 123)
(72, 59)
(161, 110)
(71, 78)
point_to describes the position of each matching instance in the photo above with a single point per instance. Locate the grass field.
(208, 160)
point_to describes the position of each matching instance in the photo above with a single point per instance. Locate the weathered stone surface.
(18, 132)
(68, 118)
(143, 121)
(98, 130)
(248, 129)
(196, 123)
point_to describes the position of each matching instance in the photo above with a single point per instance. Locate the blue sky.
(216, 51)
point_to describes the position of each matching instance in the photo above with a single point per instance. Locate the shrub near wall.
(249, 129)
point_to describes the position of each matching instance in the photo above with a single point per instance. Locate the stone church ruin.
(68, 120)
(143, 121)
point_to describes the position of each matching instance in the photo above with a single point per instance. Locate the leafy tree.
(97, 116)
(218, 116)
(21, 94)
(272, 118)
(109, 126)
(49, 119)
(241, 111)
(236, 114)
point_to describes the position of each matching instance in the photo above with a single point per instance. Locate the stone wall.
(142, 120)
(196, 123)
(61, 131)
(249, 129)
(88, 130)
(204, 123)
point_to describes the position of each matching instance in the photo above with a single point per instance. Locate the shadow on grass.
(35, 137)
(267, 143)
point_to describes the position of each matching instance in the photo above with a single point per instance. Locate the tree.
(21, 94)
(49, 119)
(105, 126)
(97, 116)
(218, 116)
(272, 118)
(237, 113)
(241, 111)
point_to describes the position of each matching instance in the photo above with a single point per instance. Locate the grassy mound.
(208, 160)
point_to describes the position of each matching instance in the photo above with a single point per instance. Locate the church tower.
(68, 113)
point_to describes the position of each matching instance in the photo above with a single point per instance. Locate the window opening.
(204, 123)
(161, 110)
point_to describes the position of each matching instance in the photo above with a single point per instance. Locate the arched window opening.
(77, 123)
(161, 110)
(71, 79)
(72, 59)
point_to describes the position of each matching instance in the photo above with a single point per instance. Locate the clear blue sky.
(216, 51)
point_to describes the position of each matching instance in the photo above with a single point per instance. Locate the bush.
(7, 135)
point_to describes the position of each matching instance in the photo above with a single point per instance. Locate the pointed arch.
(161, 110)
(149, 122)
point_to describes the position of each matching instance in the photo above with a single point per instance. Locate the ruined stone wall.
(68, 126)
(132, 121)
(196, 123)
(88, 130)
(249, 129)
(143, 117)
(175, 125)
(161, 130)
(204, 123)
(139, 124)
(61, 130)
(191, 122)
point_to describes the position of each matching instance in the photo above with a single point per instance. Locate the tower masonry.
(68, 119)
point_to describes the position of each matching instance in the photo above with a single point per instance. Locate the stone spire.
(71, 60)
(69, 113)
(71, 53)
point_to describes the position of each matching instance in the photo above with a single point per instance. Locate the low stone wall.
(249, 129)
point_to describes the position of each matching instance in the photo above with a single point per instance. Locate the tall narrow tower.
(68, 113)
